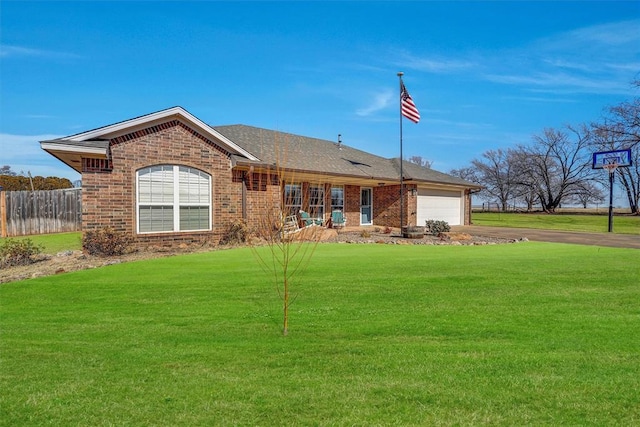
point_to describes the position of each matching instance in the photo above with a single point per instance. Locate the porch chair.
(337, 219)
(307, 220)
(291, 224)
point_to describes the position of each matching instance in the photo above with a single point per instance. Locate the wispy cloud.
(9, 51)
(22, 147)
(436, 65)
(379, 102)
(611, 35)
(23, 154)
(597, 59)
(38, 116)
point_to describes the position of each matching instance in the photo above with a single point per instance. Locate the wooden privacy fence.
(24, 213)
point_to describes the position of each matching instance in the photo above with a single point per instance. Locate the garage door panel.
(439, 205)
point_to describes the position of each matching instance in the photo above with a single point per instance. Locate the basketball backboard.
(621, 158)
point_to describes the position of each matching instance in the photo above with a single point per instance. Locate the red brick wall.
(108, 197)
(109, 187)
(386, 206)
(352, 205)
(262, 195)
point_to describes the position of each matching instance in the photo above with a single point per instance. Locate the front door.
(366, 210)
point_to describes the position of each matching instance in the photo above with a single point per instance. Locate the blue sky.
(484, 75)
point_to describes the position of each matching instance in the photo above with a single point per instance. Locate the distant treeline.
(25, 183)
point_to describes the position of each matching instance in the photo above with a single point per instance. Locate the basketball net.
(610, 167)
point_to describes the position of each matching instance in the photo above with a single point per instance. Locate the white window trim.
(321, 205)
(175, 203)
(370, 205)
(333, 207)
(293, 209)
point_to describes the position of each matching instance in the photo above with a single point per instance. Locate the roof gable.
(179, 113)
(95, 143)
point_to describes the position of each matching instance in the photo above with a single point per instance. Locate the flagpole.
(400, 74)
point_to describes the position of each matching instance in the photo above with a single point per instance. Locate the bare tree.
(588, 192)
(289, 248)
(418, 160)
(6, 170)
(495, 172)
(623, 123)
(555, 164)
(621, 130)
(468, 174)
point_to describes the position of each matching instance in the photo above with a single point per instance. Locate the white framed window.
(173, 198)
(337, 198)
(292, 198)
(316, 201)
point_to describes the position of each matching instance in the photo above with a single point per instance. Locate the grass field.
(623, 224)
(54, 243)
(519, 334)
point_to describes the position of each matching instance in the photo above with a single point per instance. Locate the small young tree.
(289, 247)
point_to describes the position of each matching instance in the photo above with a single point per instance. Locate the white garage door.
(439, 205)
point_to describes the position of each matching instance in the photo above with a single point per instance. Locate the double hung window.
(337, 198)
(173, 198)
(316, 201)
(292, 198)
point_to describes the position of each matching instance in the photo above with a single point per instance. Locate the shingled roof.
(301, 153)
(256, 146)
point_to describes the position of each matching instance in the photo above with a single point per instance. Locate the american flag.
(409, 109)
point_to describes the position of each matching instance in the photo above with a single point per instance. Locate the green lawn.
(623, 224)
(519, 334)
(54, 243)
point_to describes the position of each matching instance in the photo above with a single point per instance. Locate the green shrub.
(436, 227)
(18, 252)
(237, 232)
(106, 242)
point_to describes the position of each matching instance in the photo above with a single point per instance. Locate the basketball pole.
(611, 178)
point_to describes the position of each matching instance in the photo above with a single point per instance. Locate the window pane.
(155, 218)
(337, 198)
(194, 218)
(194, 186)
(155, 184)
(316, 201)
(292, 198)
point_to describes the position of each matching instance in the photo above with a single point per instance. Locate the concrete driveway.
(596, 239)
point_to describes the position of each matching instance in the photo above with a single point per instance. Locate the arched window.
(173, 198)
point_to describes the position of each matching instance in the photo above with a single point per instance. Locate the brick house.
(168, 178)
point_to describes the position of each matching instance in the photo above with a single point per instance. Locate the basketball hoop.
(612, 160)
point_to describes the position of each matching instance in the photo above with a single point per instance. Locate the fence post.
(3, 214)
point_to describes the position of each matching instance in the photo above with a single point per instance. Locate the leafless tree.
(6, 170)
(555, 164)
(621, 130)
(623, 123)
(289, 249)
(588, 192)
(495, 172)
(418, 160)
